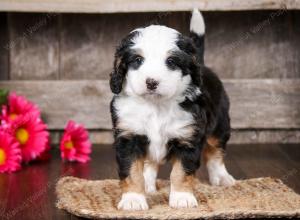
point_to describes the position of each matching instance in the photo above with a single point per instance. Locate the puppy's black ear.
(117, 76)
(193, 64)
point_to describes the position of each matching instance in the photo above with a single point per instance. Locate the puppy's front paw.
(221, 179)
(182, 200)
(133, 202)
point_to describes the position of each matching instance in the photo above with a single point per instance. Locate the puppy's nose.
(151, 83)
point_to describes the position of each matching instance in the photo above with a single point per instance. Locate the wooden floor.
(29, 193)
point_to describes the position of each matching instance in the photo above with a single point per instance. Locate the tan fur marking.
(179, 180)
(125, 134)
(185, 143)
(135, 181)
(212, 149)
(139, 51)
(118, 61)
(190, 131)
(213, 141)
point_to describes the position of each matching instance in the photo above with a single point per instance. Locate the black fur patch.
(186, 44)
(199, 44)
(187, 59)
(128, 149)
(187, 153)
(211, 109)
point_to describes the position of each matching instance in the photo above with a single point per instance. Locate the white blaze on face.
(155, 44)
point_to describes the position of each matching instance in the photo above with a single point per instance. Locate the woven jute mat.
(252, 198)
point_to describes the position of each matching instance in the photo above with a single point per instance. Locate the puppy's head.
(155, 62)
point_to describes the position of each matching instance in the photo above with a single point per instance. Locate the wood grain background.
(116, 6)
(63, 61)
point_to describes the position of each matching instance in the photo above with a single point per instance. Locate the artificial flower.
(75, 144)
(32, 135)
(18, 106)
(10, 153)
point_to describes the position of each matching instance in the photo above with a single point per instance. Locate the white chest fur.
(159, 122)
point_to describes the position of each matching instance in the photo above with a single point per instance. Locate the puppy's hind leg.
(213, 157)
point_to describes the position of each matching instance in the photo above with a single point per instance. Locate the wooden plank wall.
(255, 103)
(4, 51)
(117, 6)
(63, 62)
(34, 46)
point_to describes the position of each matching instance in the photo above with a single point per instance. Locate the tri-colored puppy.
(167, 106)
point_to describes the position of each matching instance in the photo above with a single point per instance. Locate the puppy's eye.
(171, 62)
(138, 60)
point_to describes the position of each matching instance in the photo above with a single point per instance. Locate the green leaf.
(3, 96)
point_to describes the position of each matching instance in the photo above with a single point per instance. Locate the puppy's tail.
(197, 33)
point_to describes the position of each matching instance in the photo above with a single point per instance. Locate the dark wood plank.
(73, 217)
(252, 44)
(27, 192)
(30, 193)
(291, 153)
(238, 44)
(4, 47)
(34, 46)
(90, 54)
(266, 160)
(294, 31)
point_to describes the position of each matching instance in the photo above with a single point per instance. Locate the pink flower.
(75, 144)
(32, 135)
(10, 153)
(17, 106)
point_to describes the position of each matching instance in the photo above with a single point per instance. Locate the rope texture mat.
(252, 198)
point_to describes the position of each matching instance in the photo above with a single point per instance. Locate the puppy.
(167, 107)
